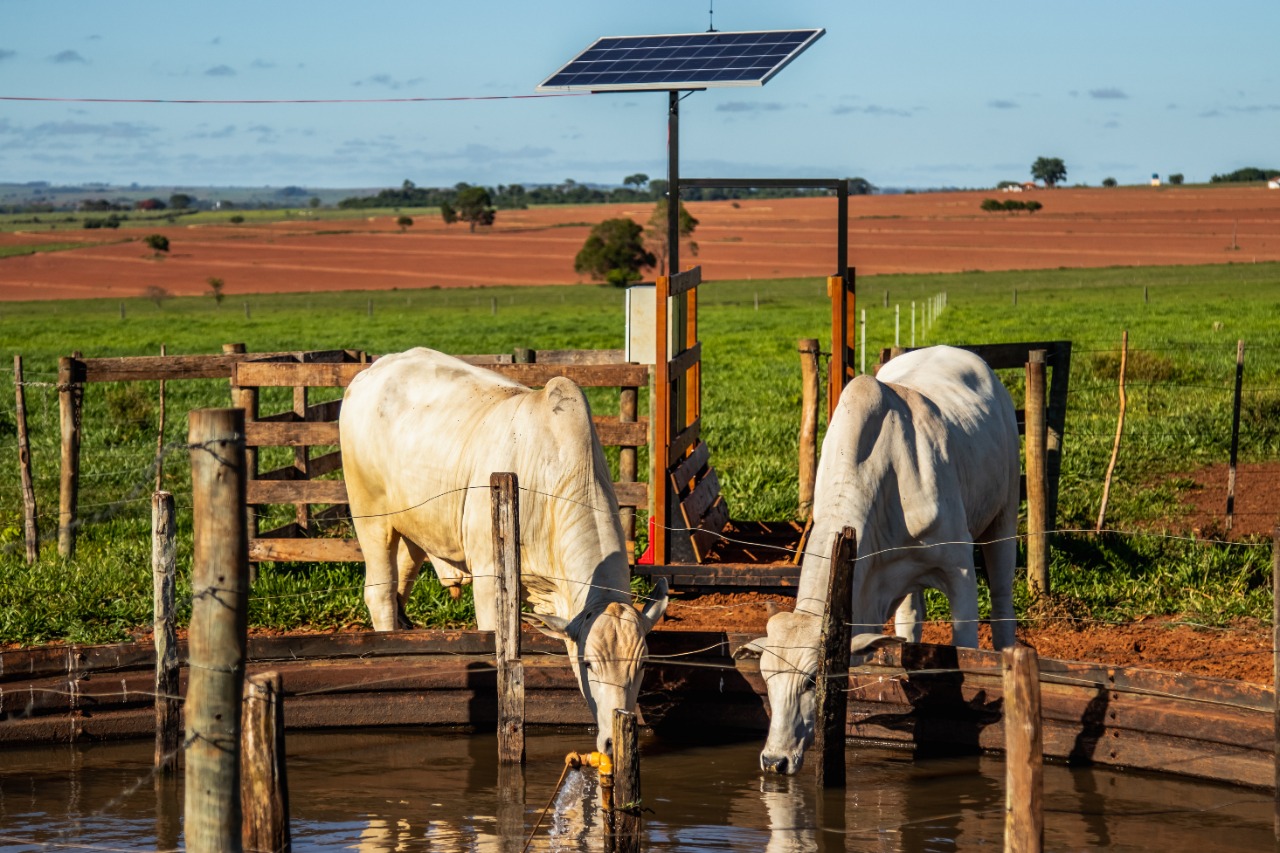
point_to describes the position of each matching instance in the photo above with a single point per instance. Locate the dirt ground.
(919, 233)
(1243, 652)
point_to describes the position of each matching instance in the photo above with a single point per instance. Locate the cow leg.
(409, 559)
(908, 617)
(484, 588)
(960, 584)
(378, 541)
(1000, 552)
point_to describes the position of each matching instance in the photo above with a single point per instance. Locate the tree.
(181, 201)
(1176, 179)
(1051, 170)
(991, 205)
(314, 202)
(215, 289)
(614, 252)
(1033, 206)
(1108, 182)
(656, 234)
(860, 186)
(158, 242)
(157, 294)
(475, 207)
(447, 213)
(404, 222)
(638, 180)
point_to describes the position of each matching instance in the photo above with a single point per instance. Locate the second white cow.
(421, 434)
(921, 461)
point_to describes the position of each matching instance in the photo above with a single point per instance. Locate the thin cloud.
(68, 57)
(1002, 105)
(749, 107)
(7, 54)
(101, 130)
(262, 64)
(1108, 94)
(871, 110)
(388, 82)
(221, 71)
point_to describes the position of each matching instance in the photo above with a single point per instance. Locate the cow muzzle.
(783, 765)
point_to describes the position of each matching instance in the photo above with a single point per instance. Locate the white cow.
(421, 433)
(921, 461)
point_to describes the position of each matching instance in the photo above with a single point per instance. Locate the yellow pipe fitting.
(599, 760)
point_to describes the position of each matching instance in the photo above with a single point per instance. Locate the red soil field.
(920, 233)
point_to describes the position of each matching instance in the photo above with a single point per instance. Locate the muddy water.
(405, 790)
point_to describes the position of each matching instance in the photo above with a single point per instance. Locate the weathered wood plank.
(682, 475)
(632, 494)
(687, 438)
(285, 375)
(305, 550)
(685, 361)
(706, 536)
(694, 507)
(684, 281)
(613, 433)
(586, 375)
(295, 434)
(296, 492)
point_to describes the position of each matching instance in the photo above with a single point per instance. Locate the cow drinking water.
(421, 434)
(922, 462)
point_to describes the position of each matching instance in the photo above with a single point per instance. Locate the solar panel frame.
(680, 61)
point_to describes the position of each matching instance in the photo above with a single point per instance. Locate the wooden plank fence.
(311, 430)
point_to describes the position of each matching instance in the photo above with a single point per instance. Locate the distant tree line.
(635, 188)
(1249, 173)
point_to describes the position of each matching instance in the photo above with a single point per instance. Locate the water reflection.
(413, 790)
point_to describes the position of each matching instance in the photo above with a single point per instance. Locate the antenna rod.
(711, 16)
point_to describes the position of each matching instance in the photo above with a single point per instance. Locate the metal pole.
(673, 187)
(217, 638)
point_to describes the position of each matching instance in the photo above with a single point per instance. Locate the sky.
(906, 94)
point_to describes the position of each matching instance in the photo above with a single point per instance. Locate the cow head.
(788, 656)
(607, 650)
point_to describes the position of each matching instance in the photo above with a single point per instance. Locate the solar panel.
(683, 61)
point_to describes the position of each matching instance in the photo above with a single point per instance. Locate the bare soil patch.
(920, 233)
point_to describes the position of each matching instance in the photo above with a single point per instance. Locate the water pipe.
(604, 768)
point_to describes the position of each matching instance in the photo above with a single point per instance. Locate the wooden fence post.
(217, 641)
(1275, 664)
(628, 413)
(505, 495)
(1115, 448)
(810, 394)
(247, 399)
(70, 401)
(1024, 752)
(30, 530)
(627, 800)
(1037, 481)
(1235, 435)
(264, 794)
(160, 434)
(832, 687)
(163, 575)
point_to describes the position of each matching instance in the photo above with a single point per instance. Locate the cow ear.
(556, 627)
(753, 649)
(657, 604)
(864, 644)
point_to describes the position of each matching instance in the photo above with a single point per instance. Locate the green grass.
(1182, 367)
(17, 251)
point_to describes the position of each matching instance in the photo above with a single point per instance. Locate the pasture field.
(1183, 325)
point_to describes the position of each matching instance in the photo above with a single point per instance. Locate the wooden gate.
(310, 430)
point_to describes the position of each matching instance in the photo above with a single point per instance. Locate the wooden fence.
(307, 427)
(311, 432)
